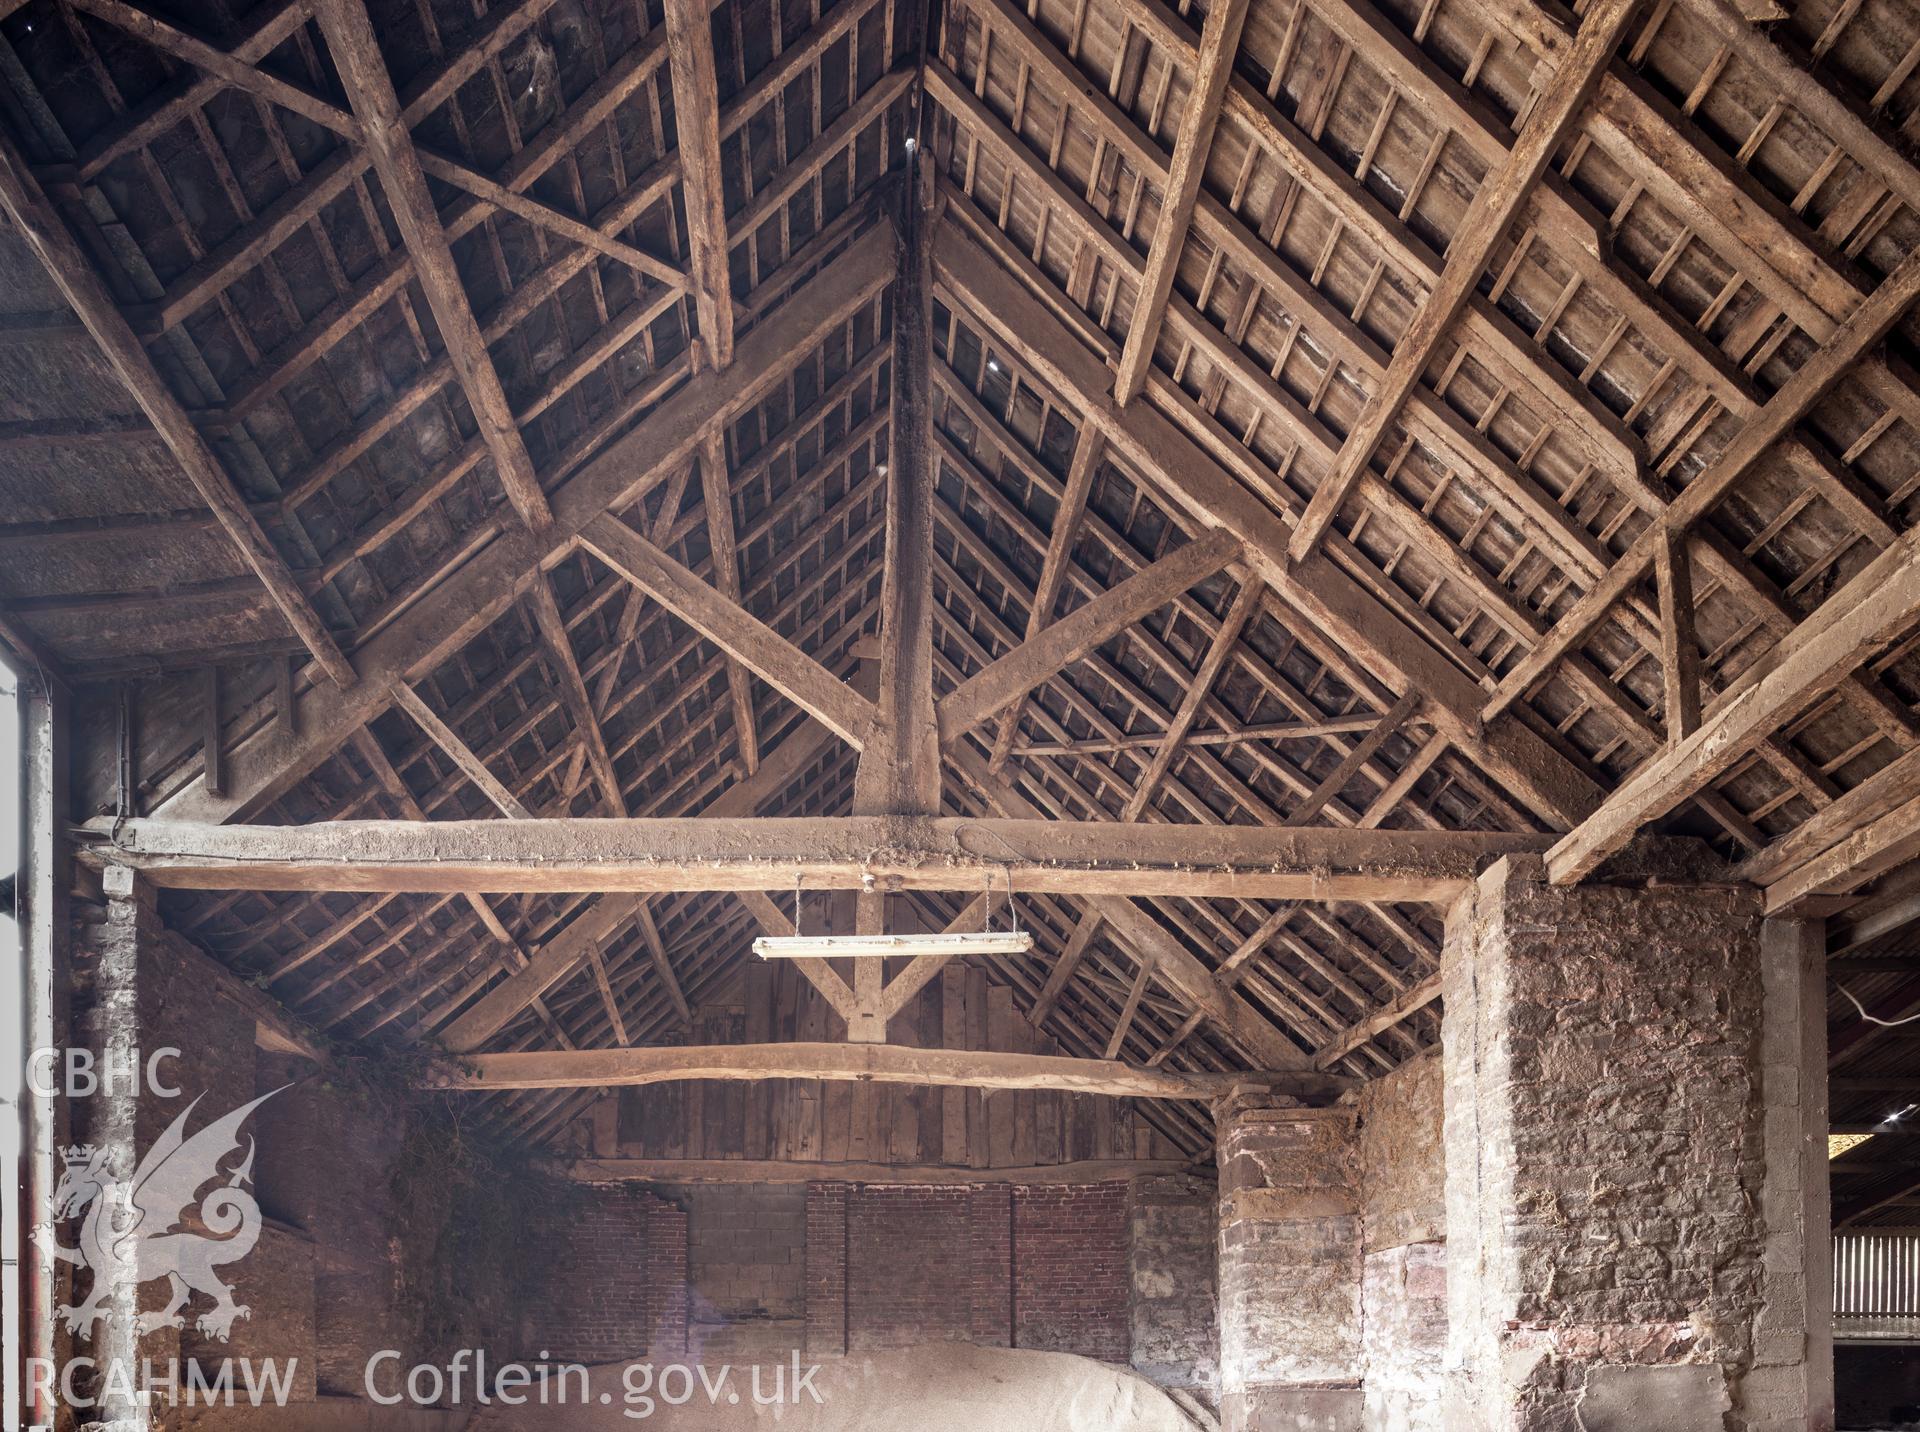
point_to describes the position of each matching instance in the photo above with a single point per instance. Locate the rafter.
(558, 958)
(1863, 329)
(356, 55)
(1080, 631)
(1212, 497)
(574, 696)
(1871, 611)
(777, 661)
(1613, 448)
(481, 590)
(515, 957)
(338, 173)
(1061, 536)
(717, 493)
(1219, 42)
(696, 118)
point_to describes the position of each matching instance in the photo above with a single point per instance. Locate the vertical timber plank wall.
(812, 1121)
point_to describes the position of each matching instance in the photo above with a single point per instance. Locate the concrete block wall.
(746, 1268)
(1172, 1226)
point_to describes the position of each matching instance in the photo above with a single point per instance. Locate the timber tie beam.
(644, 856)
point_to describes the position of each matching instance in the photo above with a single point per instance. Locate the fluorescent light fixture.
(833, 947)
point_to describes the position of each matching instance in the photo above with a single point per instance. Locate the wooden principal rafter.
(696, 111)
(356, 55)
(1219, 43)
(1495, 203)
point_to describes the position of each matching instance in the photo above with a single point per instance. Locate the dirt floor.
(939, 1388)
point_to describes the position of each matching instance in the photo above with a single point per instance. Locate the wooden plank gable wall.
(842, 1122)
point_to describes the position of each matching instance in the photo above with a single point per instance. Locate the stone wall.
(1403, 1289)
(1290, 1268)
(1604, 1151)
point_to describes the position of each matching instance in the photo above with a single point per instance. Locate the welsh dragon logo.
(158, 1224)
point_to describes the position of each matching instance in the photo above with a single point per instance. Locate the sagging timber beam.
(1212, 497)
(513, 958)
(46, 233)
(559, 956)
(696, 120)
(1874, 609)
(363, 72)
(479, 592)
(737, 632)
(681, 1171)
(888, 853)
(1038, 659)
(1495, 204)
(863, 1063)
(1219, 42)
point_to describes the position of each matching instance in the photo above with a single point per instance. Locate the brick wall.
(611, 1283)
(992, 1264)
(989, 1264)
(826, 1268)
(904, 1246)
(1070, 1269)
